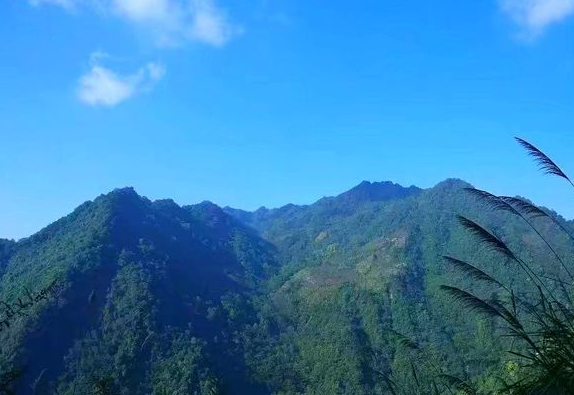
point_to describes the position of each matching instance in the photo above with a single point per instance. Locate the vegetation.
(344, 296)
(539, 319)
(142, 286)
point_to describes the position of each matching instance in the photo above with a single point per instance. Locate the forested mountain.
(151, 297)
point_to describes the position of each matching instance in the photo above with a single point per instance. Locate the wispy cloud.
(211, 25)
(101, 86)
(175, 22)
(534, 16)
(169, 22)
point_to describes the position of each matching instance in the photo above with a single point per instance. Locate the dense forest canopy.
(156, 298)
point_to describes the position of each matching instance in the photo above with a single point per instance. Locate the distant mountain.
(377, 192)
(155, 298)
(362, 193)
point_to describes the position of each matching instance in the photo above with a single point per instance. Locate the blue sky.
(266, 102)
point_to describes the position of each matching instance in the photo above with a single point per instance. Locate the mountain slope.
(154, 298)
(139, 282)
(353, 276)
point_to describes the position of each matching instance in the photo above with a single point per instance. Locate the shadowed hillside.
(141, 283)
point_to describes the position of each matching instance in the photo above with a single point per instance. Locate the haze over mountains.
(165, 299)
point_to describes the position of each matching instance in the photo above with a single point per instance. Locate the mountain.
(377, 192)
(153, 297)
(363, 193)
(354, 275)
(142, 285)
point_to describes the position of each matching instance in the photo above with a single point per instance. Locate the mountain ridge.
(171, 253)
(295, 300)
(365, 190)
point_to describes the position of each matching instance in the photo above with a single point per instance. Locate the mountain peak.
(209, 208)
(125, 191)
(121, 196)
(378, 191)
(208, 212)
(452, 183)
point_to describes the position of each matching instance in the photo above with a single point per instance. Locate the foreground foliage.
(540, 318)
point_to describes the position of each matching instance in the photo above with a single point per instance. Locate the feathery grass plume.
(544, 162)
(491, 200)
(541, 324)
(486, 237)
(472, 271)
(495, 244)
(405, 341)
(498, 203)
(471, 301)
(535, 212)
(525, 207)
(510, 316)
(548, 387)
(505, 203)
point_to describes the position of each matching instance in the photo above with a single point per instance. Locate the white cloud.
(210, 25)
(168, 22)
(534, 16)
(103, 87)
(173, 22)
(143, 10)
